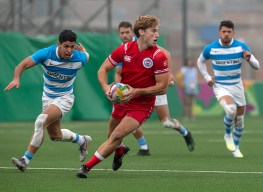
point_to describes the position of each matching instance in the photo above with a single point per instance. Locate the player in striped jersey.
(60, 65)
(227, 55)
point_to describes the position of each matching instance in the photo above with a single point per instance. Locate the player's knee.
(116, 136)
(55, 138)
(39, 130)
(171, 123)
(39, 123)
(240, 121)
(231, 111)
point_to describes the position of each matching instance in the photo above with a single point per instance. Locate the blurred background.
(186, 26)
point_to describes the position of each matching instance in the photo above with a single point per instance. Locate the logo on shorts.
(147, 63)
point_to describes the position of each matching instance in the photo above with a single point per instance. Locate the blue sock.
(142, 143)
(77, 138)
(183, 131)
(228, 124)
(237, 134)
(28, 155)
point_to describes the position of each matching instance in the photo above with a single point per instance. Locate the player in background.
(187, 80)
(148, 77)
(60, 64)
(161, 103)
(227, 55)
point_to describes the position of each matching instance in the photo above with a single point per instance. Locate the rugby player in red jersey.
(145, 71)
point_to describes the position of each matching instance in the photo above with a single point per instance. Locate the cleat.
(230, 143)
(84, 148)
(19, 163)
(143, 152)
(117, 161)
(83, 171)
(237, 154)
(189, 141)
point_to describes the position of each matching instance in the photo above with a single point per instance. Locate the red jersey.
(139, 67)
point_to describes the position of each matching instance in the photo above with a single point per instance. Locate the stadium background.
(186, 26)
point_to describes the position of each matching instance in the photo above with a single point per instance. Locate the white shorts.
(161, 100)
(64, 103)
(235, 91)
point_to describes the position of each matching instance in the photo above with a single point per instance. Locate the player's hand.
(246, 55)
(12, 84)
(130, 94)
(211, 83)
(107, 89)
(171, 80)
(80, 48)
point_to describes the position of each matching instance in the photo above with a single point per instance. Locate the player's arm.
(158, 89)
(81, 48)
(202, 68)
(170, 65)
(117, 76)
(23, 65)
(254, 63)
(103, 71)
(179, 78)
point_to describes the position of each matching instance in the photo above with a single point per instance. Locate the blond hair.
(145, 22)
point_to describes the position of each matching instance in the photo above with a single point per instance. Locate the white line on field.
(144, 170)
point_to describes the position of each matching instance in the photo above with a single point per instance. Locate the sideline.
(144, 170)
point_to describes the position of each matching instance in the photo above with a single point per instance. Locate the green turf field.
(171, 167)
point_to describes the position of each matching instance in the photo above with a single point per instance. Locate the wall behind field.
(24, 104)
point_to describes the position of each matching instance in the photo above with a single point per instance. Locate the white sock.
(26, 160)
(69, 136)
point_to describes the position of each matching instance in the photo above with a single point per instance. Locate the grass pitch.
(171, 167)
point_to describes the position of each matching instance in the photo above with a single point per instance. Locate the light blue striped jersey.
(226, 60)
(59, 74)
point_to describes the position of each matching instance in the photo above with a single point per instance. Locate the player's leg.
(139, 136)
(238, 130)
(163, 114)
(121, 126)
(230, 109)
(113, 123)
(240, 100)
(190, 105)
(162, 110)
(125, 127)
(57, 134)
(64, 104)
(52, 113)
(187, 106)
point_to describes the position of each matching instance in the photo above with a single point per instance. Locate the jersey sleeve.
(206, 52)
(117, 55)
(84, 57)
(245, 46)
(40, 56)
(161, 63)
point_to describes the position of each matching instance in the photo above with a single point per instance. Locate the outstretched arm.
(25, 64)
(202, 68)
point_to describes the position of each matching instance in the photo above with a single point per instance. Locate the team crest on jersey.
(147, 63)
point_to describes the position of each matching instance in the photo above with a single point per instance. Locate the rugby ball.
(117, 92)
